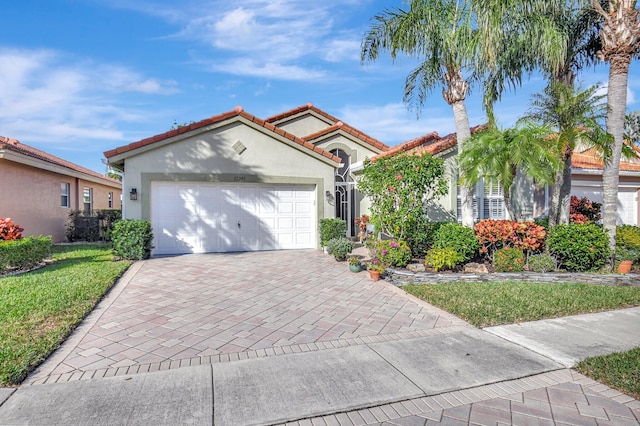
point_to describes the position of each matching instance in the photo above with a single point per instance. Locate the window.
(64, 195)
(488, 201)
(111, 200)
(87, 198)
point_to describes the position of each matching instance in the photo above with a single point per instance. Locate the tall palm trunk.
(463, 132)
(620, 37)
(617, 103)
(560, 194)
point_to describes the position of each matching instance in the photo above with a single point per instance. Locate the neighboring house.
(587, 182)
(529, 201)
(235, 182)
(38, 190)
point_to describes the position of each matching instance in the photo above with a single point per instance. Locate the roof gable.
(333, 126)
(16, 146)
(236, 114)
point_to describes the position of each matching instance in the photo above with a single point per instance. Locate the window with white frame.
(64, 195)
(87, 198)
(489, 195)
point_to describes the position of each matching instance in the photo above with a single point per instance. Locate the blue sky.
(78, 77)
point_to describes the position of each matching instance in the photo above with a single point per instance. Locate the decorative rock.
(475, 268)
(416, 267)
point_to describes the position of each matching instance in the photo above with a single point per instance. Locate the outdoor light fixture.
(133, 195)
(330, 198)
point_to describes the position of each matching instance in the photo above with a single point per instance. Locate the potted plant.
(375, 268)
(626, 257)
(354, 264)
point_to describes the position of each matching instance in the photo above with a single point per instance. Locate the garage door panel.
(204, 217)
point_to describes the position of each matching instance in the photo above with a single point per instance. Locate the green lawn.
(39, 309)
(487, 304)
(620, 371)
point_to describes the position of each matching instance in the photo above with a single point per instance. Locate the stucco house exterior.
(529, 201)
(236, 182)
(39, 190)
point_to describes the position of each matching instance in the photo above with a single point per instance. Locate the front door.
(345, 192)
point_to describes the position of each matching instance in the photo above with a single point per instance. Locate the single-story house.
(530, 202)
(39, 190)
(236, 182)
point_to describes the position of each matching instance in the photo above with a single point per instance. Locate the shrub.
(132, 239)
(400, 188)
(497, 234)
(579, 247)
(340, 248)
(441, 258)
(458, 237)
(509, 259)
(9, 230)
(393, 252)
(24, 252)
(332, 228)
(541, 263)
(421, 239)
(581, 210)
(628, 236)
(542, 221)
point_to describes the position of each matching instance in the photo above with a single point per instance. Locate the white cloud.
(394, 124)
(46, 96)
(254, 68)
(284, 39)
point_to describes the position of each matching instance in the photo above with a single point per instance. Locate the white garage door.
(224, 217)
(627, 201)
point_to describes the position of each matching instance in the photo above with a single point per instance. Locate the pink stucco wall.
(31, 198)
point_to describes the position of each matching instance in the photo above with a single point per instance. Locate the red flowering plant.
(497, 234)
(9, 230)
(361, 223)
(581, 210)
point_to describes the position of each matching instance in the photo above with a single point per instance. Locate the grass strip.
(620, 371)
(488, 303)
(39, 309)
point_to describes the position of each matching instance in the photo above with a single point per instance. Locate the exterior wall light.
(133, 195)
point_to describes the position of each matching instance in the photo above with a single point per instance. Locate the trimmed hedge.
(132, 239)
(579, 247)
(332, 228)
(24, 253)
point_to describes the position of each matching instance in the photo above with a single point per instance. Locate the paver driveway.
(194, 309)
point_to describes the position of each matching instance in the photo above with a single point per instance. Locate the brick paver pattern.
(562, 397)
(183, 310)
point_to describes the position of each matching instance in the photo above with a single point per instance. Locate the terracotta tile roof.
(589, 160)
(16, 146)
(431, 143)
(411, 145)
(349, 130)
(336, 125)
(236, 112)
(308, 107)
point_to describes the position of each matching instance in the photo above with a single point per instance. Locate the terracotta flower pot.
(625, 266)
(375, 275)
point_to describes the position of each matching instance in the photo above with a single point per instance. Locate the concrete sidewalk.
(458, 377)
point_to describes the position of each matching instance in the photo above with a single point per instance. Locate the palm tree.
(499, 154)
(558, 37)
(620, 38)
(441, 34)
(574, 116)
